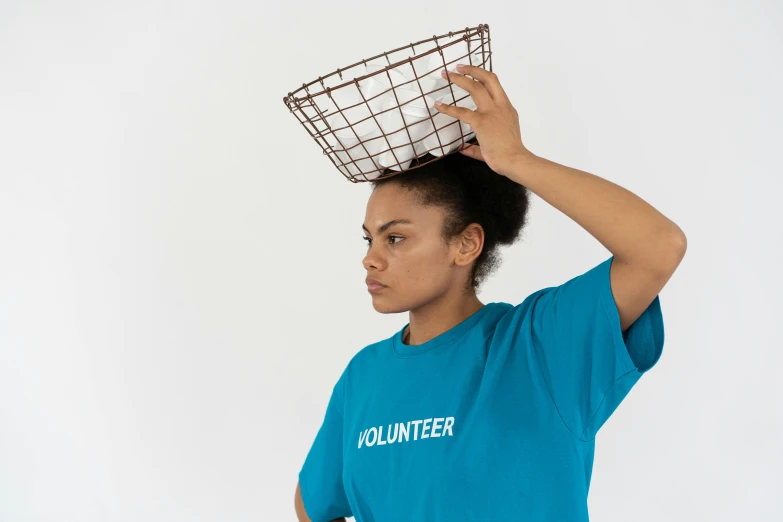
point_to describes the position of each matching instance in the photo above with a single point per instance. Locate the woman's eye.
(391, 238)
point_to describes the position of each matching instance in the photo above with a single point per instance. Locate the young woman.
(487, 412)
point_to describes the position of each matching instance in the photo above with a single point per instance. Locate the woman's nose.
(371, 260)
(368, 262)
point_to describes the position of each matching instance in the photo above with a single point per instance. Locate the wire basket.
(377, 118)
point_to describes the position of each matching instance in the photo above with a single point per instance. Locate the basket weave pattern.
(376, 118)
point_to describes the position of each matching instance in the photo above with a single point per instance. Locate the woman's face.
(406, 252)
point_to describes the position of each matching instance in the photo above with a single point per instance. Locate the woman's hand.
(495, 121)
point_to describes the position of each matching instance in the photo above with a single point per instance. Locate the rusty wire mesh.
(378, 119)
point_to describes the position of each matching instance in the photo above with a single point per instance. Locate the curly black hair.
(469, 192)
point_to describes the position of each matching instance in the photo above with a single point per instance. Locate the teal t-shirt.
(493, 420)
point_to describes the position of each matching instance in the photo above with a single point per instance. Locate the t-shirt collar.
(447, 337)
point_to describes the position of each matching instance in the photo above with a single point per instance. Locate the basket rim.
(292, 100)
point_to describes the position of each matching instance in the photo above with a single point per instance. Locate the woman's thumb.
(473, 151)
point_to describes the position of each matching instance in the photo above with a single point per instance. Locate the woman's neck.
(438, 316)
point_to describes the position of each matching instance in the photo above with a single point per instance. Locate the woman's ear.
(471, 243)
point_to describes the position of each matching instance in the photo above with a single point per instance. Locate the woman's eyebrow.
(386, 226)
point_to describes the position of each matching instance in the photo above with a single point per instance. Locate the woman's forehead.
(400, 207)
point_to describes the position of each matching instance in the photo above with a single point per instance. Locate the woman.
(487, 411)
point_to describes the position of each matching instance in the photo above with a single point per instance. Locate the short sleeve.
(588, 363)
(321, 476)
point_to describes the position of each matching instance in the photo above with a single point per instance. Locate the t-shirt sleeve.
(321, 476)
(588, 363)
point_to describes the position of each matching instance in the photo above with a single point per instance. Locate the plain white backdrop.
(180, 266)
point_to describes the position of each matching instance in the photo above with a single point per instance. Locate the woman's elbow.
(301, 514)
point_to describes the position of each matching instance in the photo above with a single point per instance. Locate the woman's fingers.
(488, 79)
(461, 113)
(477, 91)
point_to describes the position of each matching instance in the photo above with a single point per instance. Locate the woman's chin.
(383, 305)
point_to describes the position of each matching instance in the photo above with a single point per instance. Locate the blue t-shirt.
(493, 420)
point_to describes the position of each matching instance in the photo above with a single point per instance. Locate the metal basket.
(379, 119)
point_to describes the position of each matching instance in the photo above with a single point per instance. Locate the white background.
(180, 266)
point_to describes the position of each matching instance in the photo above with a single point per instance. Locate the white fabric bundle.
(402, 108)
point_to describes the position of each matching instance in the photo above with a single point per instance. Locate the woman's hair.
(469, 191)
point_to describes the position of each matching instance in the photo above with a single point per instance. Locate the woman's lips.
(373, 285)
